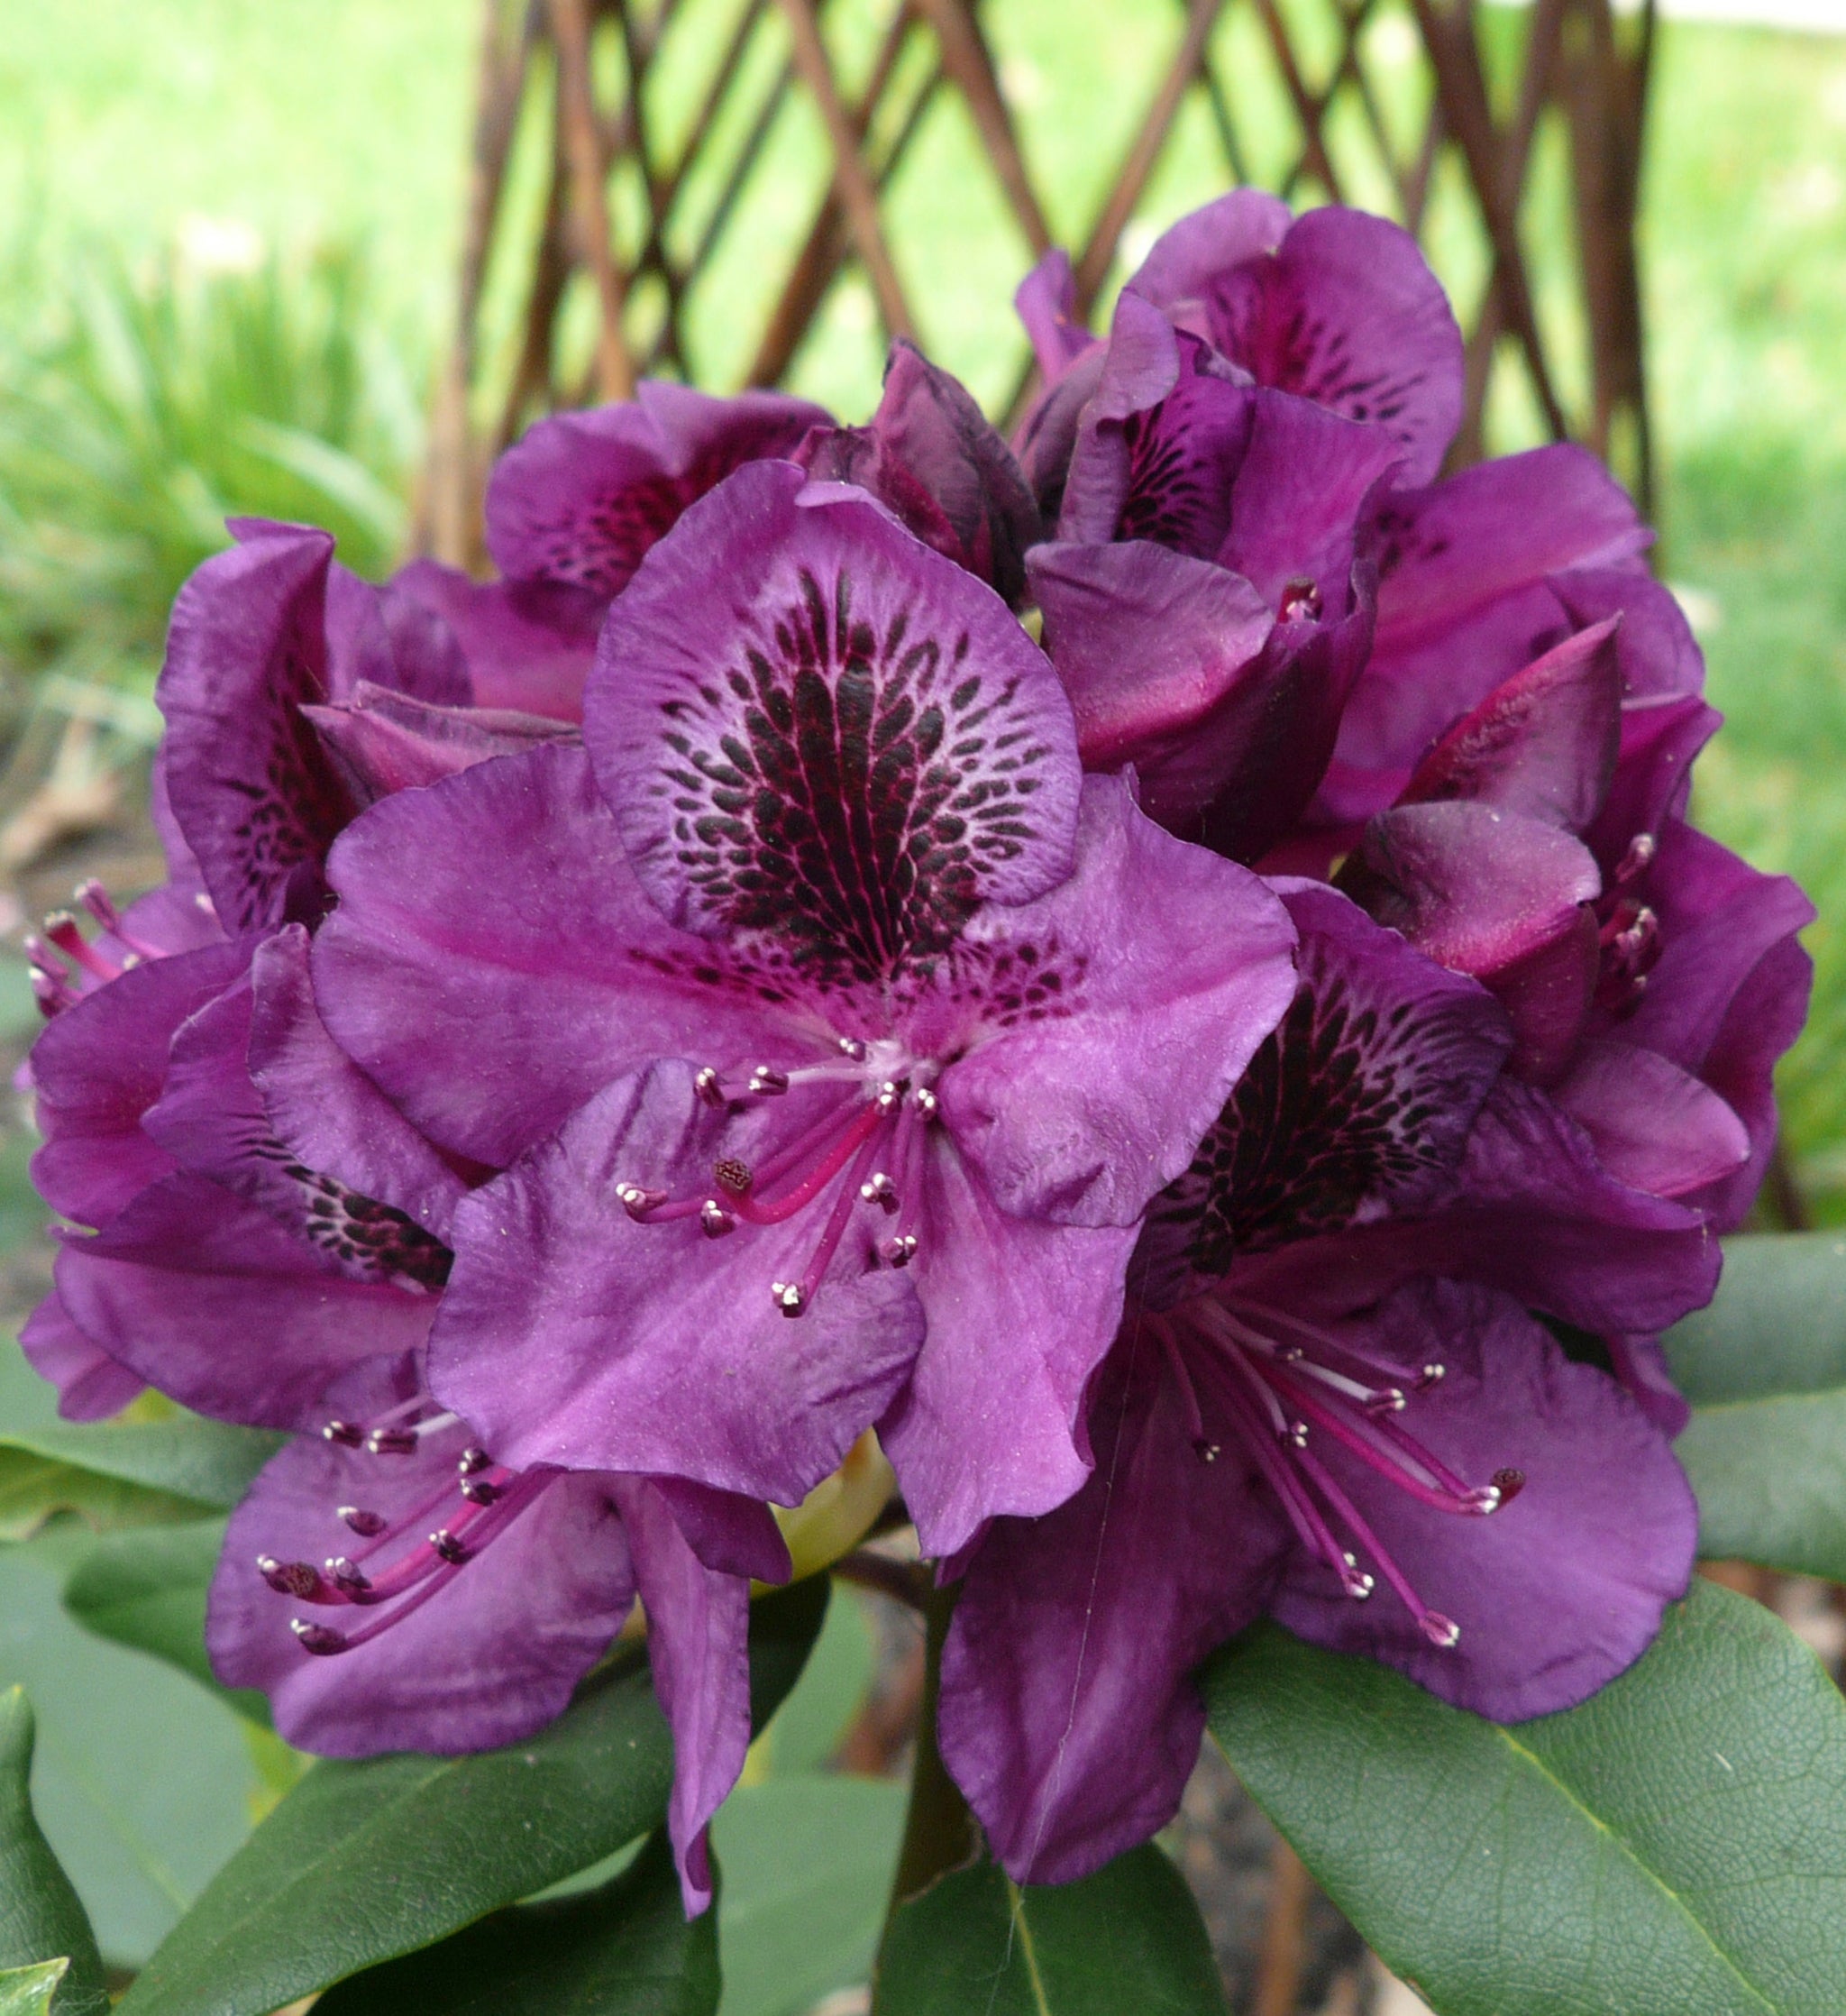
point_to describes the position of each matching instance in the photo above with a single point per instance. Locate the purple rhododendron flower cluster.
(1161, 969)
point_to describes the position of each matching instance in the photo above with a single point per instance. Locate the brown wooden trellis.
(586, 69)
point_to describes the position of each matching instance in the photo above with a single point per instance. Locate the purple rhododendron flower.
(1307, 1413)
(841, 863)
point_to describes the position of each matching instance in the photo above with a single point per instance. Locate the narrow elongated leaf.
(115, 1473)
(364, 1862)
(147, 1590)
(1128, 1937)
(1677, 1843)
(808, 1863)
(1765, 1370)
(28, 1991)
(623, 1949)
(41, 1918)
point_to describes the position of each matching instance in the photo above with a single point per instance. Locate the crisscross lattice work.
(737, 191)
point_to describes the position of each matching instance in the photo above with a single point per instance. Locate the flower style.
(1310, 1410)
(944, 1011)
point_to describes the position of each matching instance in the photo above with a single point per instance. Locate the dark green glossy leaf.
(1676, 1843)
(1127, 1939)
(810, 1725)
(147, 1590)
(1765, 1370)
(623, 1949)
(808, 1863)
(364, 1862)
(41, 1918)
(28, 1991)
(113, 1473)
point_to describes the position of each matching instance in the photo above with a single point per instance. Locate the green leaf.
(147, 1590)
(41, 1918)
(808, 1863)
(623, 1950)
(1765, 1370)
(142, 1783)
(113, 1473)
(1128, 1937)
(1677, 1843)
(810, 1725)
(365, 1861)
(28, 1991)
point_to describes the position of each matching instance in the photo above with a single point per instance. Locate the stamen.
(767, 1083)
(345, 1433)
(714, 1220)
(1641, 850)
(761, 1210)
(881, 1190)
(639, 1204)
(392, 1442)
(452, 1549)
(347, 1577)
(321, 1639)
(793, 1299)
(363, 1522)
(709, 1087)
(928, 1104)
(1301, 601)
(852, 1048)
(898, 1250)
(1204, 1447)
(62, 929)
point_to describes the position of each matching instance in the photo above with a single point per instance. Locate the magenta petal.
(251, 787)
(1654, 1127)
(1543, 744)
(209, 1298)
(91, 1385)
(582, 495)
(382, 742)
(1186, 257)
(1019, 1314)
(495, 917)
(489, 1658)
(1046, 303)
(697, 1647)
(844, 752)
(99, 1066)
(569, 1333)
(736, 1535)
(323, 1108)
(1181, 962)
(1561, 1588)
(1346, 313)
(527, 644)
(1067, 1714)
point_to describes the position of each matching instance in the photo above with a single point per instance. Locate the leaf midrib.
(1633, 1855)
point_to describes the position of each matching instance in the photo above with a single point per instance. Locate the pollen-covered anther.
(638, 1202)
(1301, 601)
(368, 1525)
(789, 1296)
(926, 1101)
(298, 1579)
(1205, 1451)
(890, 1095)
(449, 1548)
(1442, 1632)
(348, 1434)
(878, 1188)
(767, 1083)
(852, 1049)
(714, 1220)
(1357, 1583)
(734, 1176)
(1482, 1500)
(709, 1086)
(1295, 1434)
(320, 1639)
(899, 1250)
(1432, 1374)
(392, 1442)
(1390, 1400)
(1641, 850)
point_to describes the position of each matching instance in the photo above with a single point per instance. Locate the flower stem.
(939, 1831)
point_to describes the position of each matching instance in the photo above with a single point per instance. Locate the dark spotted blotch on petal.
(812, 727)
(1359, 1103)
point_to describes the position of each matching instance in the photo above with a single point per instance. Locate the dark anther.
(851, 1047)
(392, 1442)
(346, 1576)
(709, 1086)
(767, 1083)
(788, 1296)
(477, 1490)
(1301, 601)
(321, 1639)
(366, 1525)
(1509, 1483)
(899, 1250)
(298, 1579)
(881, 1190)
(452, 1551)
(714, 1220)
(471, 1459)
(1207, 1451)
(638, 1202)
(344, 1433)
(732, 1176)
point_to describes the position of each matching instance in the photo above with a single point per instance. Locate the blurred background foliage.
(228, 234)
